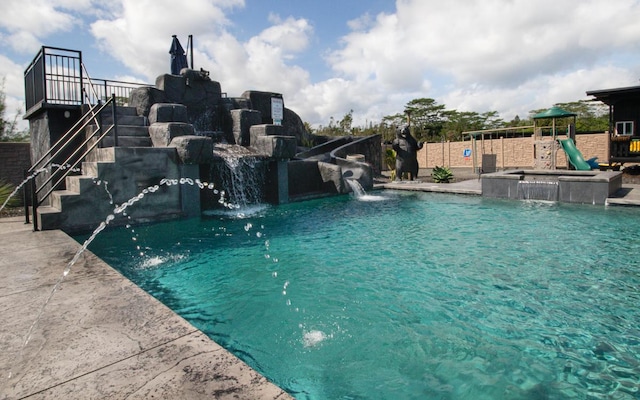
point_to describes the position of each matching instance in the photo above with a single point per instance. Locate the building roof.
(610, 96)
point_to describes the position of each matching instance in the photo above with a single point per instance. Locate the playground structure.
(546, 141)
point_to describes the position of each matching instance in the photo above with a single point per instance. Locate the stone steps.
(114, 176)
(133, 130)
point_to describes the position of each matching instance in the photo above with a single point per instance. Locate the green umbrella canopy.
(554, 112)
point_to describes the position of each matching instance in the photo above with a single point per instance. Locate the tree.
(591, 116)
(346, 121)
(427, 118)
(9, 128)
(458, 122)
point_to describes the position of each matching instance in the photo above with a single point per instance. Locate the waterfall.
(538, 190)
(359, 192)
(356, 188)
(240, 173)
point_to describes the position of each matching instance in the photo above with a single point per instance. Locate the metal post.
(25, 190)
(115, 120)
(81, 78)
(34, 204)
(191, 49)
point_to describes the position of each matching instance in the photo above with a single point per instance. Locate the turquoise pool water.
(412, 296)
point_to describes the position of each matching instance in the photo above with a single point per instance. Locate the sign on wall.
(277, 110)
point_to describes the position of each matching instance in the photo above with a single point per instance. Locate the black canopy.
(178, 57)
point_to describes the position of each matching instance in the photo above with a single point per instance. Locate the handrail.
(84, 70)
(71, 167)
(62, 141)
(75, 152)
(69, 164)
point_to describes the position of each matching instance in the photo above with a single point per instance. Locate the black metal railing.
(57, 76)
(54, 77)
(102, 89)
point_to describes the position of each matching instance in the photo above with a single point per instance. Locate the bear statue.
(406, 148)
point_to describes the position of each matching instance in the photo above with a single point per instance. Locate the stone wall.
(15, 159)
(510, 152)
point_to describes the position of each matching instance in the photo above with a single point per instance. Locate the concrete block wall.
(15, 158)
(510, 152)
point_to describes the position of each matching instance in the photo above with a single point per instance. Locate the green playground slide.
(575, 157)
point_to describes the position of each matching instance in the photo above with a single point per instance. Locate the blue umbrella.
(178, 58)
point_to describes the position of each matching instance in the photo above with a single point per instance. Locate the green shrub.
(441, 174)
(5, 190)
(390, 162)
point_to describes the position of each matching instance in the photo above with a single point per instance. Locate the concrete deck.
(100, 336)
(471, 186)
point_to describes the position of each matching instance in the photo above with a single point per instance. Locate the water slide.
(574, 155)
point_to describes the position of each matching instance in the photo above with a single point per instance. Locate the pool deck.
(100, 336)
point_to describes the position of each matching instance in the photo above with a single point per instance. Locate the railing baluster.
(25, 199)
(115, 120)
(34, 203)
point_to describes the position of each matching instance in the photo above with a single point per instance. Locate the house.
(624, 117)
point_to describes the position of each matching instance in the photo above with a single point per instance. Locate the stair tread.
(65, 193)
(47, 210)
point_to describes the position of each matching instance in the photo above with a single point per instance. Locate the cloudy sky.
(332, 56)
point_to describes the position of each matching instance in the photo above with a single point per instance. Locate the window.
(624, 128)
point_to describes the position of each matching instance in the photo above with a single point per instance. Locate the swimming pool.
(413, 296)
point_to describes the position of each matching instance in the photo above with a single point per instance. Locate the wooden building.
(624, 117)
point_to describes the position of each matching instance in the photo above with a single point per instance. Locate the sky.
(333, 56)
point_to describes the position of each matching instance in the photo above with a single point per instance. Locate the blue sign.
(466, 153)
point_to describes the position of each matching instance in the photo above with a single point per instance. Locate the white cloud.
(138, 34)
(541, 92)
(511, 56)
(26, 23)
(262, 63)
(483, 55)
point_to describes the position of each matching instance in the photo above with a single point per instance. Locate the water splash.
(359, 192)
(313, 338)
(103, 225)
(33, 176)
(99, 182)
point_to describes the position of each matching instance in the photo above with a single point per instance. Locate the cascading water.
(356, 187)
(359, 192)
(538, 190)
(241, 173)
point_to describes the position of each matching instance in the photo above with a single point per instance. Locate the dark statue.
(406, 148)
